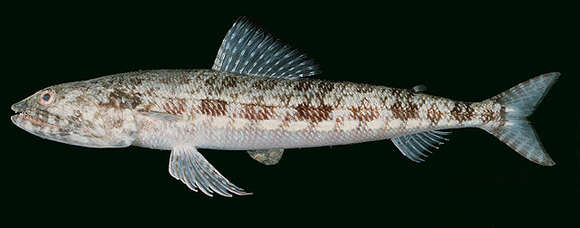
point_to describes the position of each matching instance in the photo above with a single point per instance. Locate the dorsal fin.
(413, 146)
(247, 49)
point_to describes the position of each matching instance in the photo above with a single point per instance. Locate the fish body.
(256, 98)
(220, 110)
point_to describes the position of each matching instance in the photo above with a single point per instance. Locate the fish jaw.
(41, 124)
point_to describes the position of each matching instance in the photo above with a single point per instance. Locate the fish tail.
(514, 129)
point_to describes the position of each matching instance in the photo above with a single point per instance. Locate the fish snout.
(19, 107)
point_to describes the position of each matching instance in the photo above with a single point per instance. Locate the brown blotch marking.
(434, 114)
(257, 112)
(487, 116)
(214, 85)
(462, 112)
(167, 108)
(183, 79)
(210, 81)
(364, 102)
(150, 91)
(302, 85)
(80, 99)
(363, 114)
(313, 114)
(384, 100)
(147, 107)
(181, 106)
(117, 123)
(325, 87)
(502, 114)
(264, 84)
(229, 82)
(174, 106)
(263, 112)
(409, 111)
(284, 99)
(78, 114)
(121, 99)
(213, 107)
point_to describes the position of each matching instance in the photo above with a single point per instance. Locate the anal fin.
(267, 157)
(417, 146)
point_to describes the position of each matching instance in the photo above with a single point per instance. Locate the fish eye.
(46, 97)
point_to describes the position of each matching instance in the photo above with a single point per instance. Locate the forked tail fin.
(518, 103)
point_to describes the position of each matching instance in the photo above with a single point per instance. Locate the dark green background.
(463, 55)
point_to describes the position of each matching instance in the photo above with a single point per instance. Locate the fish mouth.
(53, 127)
(42, 124)
(23, 116)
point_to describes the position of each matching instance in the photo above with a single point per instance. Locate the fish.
(259, 97)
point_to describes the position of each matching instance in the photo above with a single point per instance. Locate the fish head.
(72, 113)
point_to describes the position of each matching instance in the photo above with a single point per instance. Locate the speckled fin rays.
(418, 146)
(518, 103)
(249, 50)
(189, 166)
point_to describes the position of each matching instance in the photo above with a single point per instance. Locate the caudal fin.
(518, 103)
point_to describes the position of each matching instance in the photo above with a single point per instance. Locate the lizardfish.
(257, 98)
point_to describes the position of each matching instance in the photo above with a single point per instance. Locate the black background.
(465, 55)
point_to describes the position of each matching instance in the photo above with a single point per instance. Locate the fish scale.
(256, 97)
(317, 111)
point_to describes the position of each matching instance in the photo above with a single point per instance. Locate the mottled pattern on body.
(255, 98)
(313, 112)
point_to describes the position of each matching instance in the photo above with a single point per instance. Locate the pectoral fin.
(189, 166)
(267, 157)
